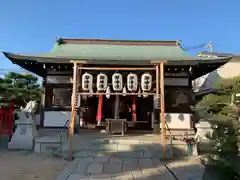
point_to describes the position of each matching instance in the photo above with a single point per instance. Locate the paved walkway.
(110, 168)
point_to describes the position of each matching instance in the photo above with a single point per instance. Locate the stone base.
(23, 137)
(94, 144)
(46, 145)
(204, 131)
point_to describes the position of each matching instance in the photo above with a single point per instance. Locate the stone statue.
(202, 136)
(29, 109)
(26, 133)
(204, 131)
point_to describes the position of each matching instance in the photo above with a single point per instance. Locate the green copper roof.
(111, 54)
(119, 52)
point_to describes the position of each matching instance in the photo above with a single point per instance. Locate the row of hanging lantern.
(117, 83)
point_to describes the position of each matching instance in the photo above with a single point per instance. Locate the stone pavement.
(110, 168)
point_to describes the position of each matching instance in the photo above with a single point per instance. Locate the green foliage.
(222, 110)
(19, 88)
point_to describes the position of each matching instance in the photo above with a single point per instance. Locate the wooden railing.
(63, 133)
(64, 130)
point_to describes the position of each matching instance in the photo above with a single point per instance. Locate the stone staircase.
(49, 145)
(124, 147)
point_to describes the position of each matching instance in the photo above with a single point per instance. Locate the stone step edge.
(113, 146)
(122, 155)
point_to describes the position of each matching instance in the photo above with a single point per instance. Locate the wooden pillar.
(79, 81)
(156, 125)
(42, 104)
(73, 114)
(162, 112)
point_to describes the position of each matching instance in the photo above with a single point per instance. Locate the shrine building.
(117, 79)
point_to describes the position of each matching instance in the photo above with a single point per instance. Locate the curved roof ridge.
(118, 42)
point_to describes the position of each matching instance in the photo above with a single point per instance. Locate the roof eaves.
(48, 59)
(40, 59)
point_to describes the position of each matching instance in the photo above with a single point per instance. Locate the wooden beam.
(158, 62)
(73, 104)
(157, 80)
(116, 93)
(42, 105)
(162, 112)
(117, 68)
(79, 80)
(156, 127)
(78, 61)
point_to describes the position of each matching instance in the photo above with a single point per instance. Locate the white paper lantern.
(117, 82)
(102, 82)
(132, 82)
(124, 91)
(145, 95)
(139, 93)
(90, 91)
(108, 92)
(87, 81)
(146, 82)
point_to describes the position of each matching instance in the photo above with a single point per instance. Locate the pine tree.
(222, 110)
(19, 88)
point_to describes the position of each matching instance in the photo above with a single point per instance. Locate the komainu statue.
(29, 109)
(26, 133)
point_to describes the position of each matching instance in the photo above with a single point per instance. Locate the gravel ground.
(29, 166)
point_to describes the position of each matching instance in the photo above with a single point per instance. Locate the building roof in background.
(217, 54)
(231, 69)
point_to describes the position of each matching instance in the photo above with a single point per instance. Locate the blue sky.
(32, 26)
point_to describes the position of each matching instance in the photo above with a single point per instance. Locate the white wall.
(177, 121)
(174, 120)
(56, 118)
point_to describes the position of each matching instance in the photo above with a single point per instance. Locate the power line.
(208, 45)
(194, 47)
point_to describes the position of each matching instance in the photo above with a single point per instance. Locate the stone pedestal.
(204, 131)
(202, 137)
(25, 134)
(195, 149)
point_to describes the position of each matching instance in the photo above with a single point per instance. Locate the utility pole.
(210, 46)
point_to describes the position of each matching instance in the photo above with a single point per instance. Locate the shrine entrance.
(151, 85)
(144, 109)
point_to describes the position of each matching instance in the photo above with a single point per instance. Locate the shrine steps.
(124, 147)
